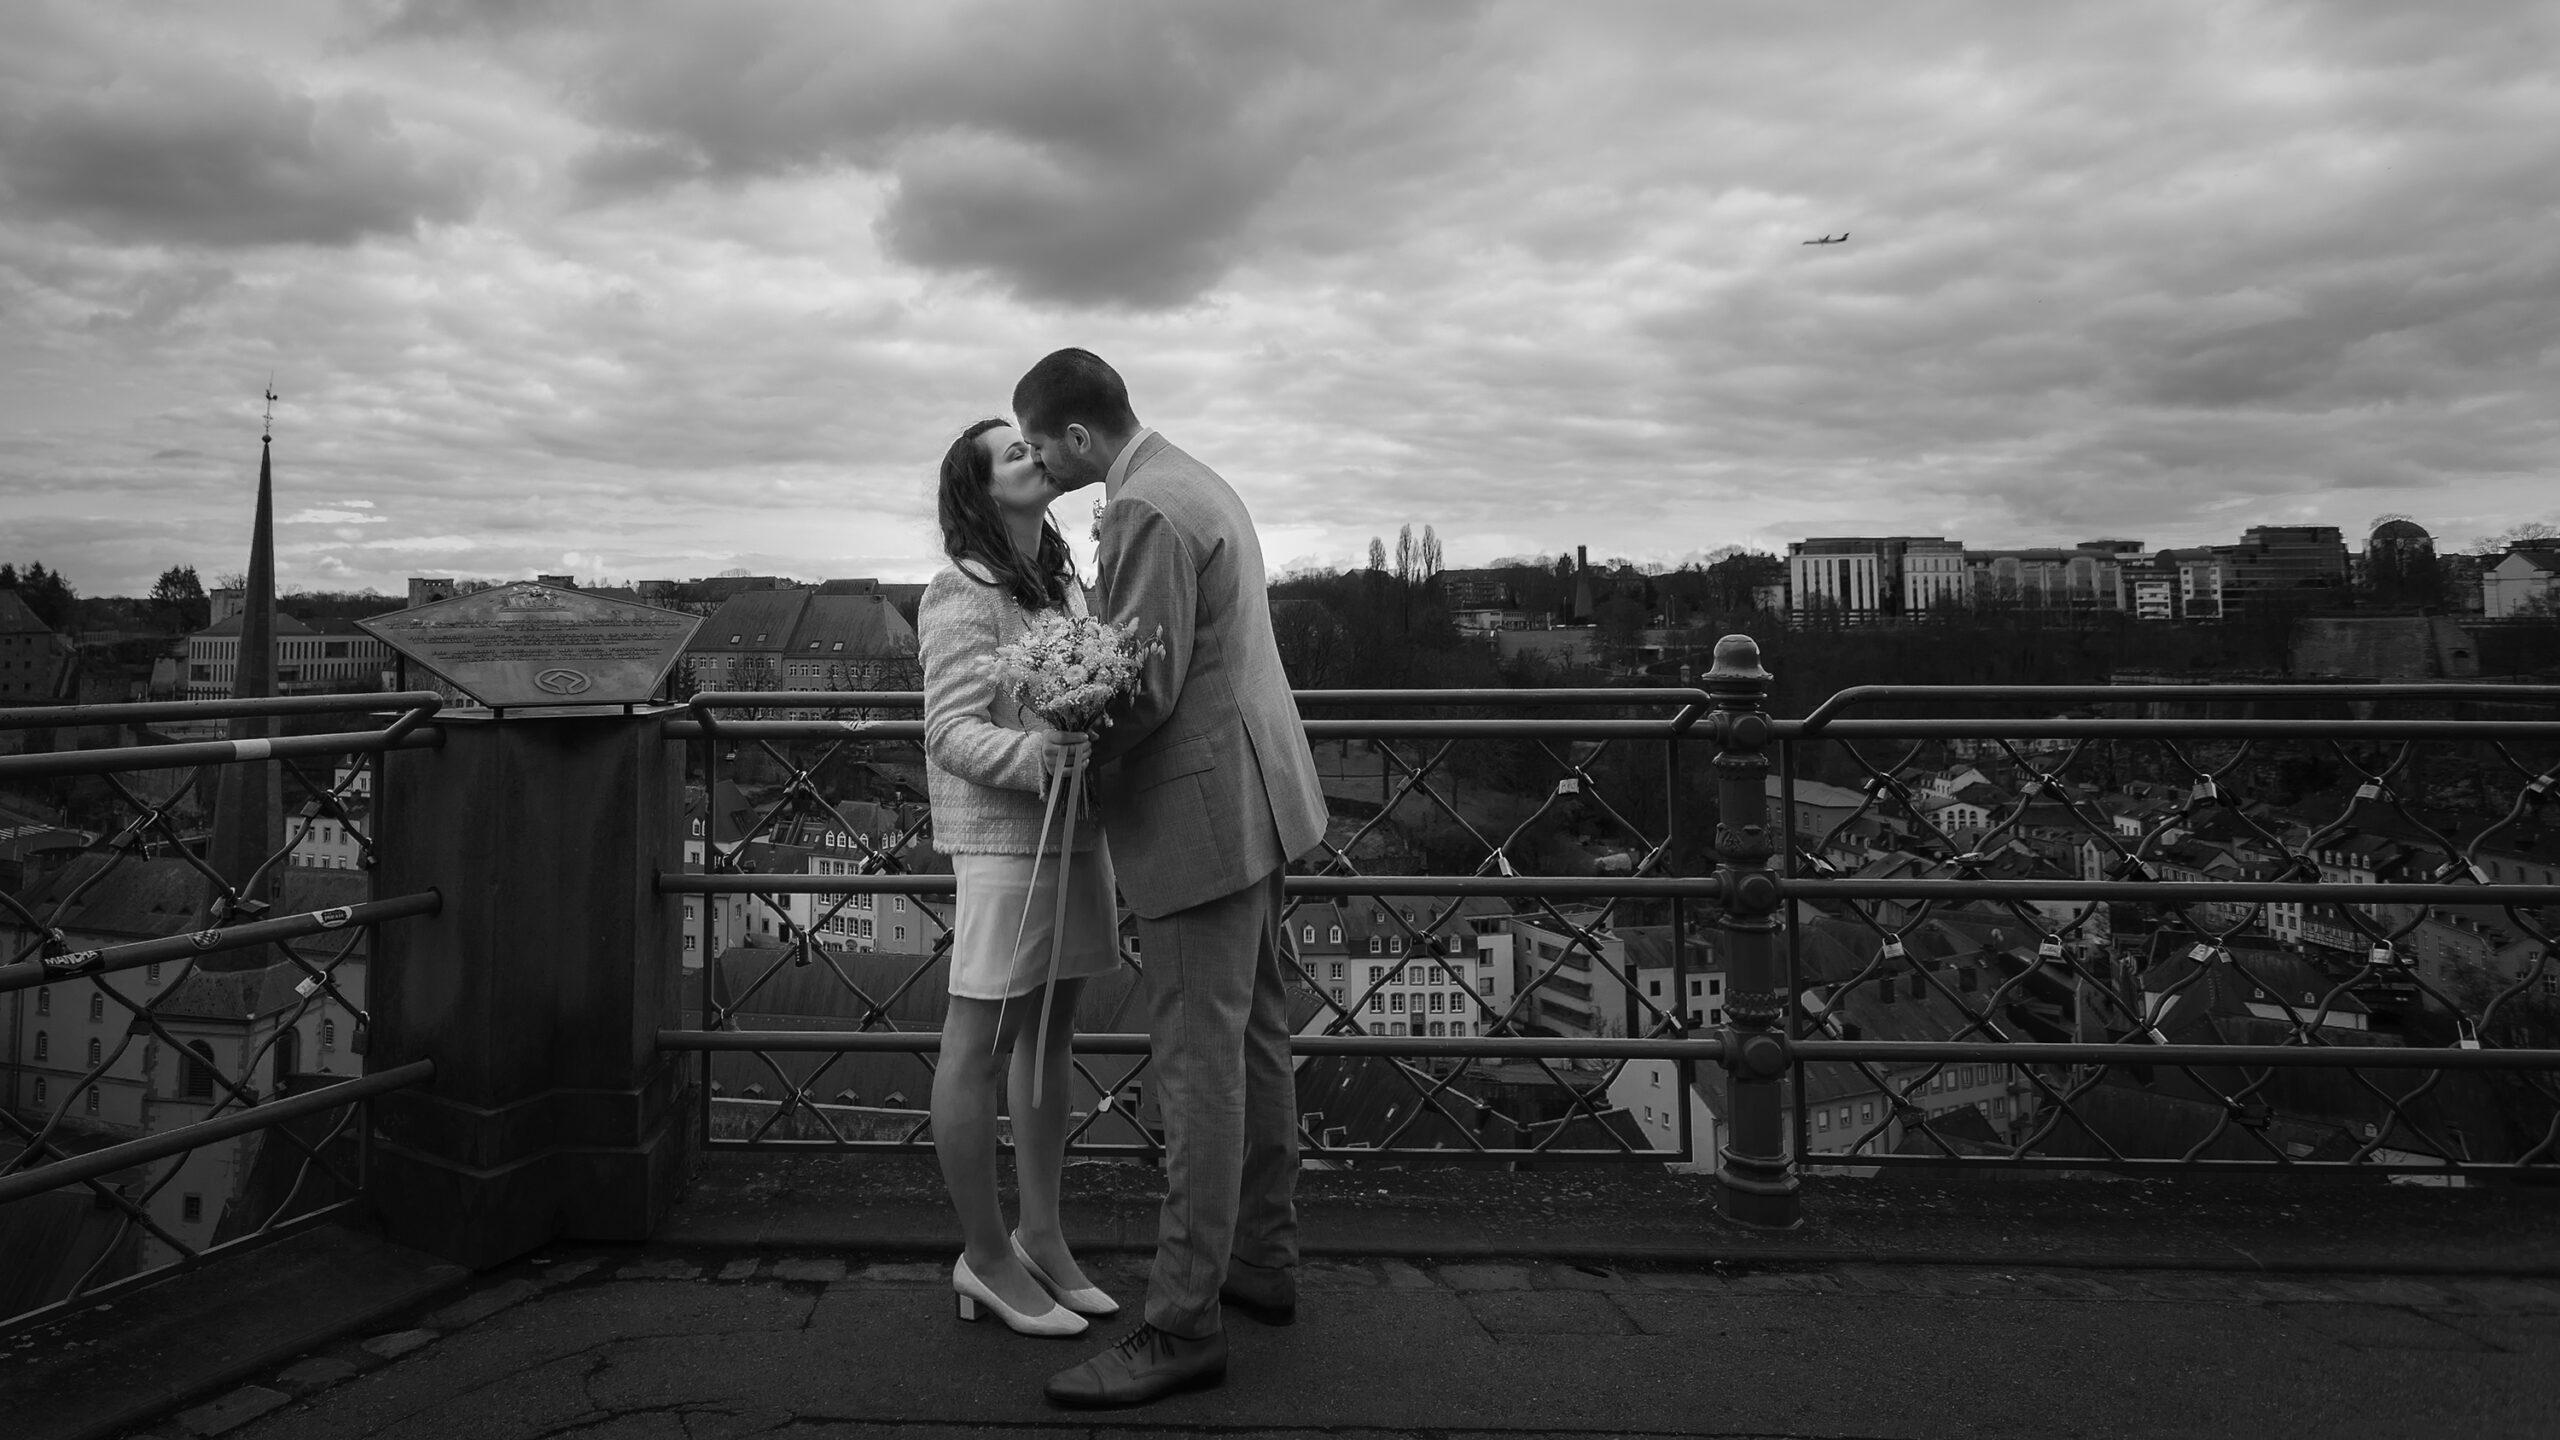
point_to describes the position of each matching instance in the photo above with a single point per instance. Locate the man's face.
(1069, 456)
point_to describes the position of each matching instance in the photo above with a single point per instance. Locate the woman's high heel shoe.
(1087, 1301)
(973, 1295)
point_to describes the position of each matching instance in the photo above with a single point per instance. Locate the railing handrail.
(1661, 695)
(1699, 887)
(188, 754)
(1524, 1047)
(108, 959)
(2063, 728)
(1857, 696)
(266, 1115)
(1526, 887)
(1770, 1053)
(142, 712)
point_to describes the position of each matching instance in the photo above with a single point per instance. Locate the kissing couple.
(1204, 789)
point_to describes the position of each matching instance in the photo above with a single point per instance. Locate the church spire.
(255, 676)
(246, 795)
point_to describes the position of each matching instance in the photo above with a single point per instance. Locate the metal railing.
(1382, 1084)
(1976, 928)
(2371, 1056)
(154, 1120)
(1627, 956)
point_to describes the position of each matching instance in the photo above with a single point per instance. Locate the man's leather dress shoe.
(1267, 1295)
(1148, 1364)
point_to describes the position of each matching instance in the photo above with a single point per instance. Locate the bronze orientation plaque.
(526, 644)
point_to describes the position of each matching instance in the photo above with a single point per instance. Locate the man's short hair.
(1072, 387)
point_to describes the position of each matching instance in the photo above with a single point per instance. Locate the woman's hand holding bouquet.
(1066, 670)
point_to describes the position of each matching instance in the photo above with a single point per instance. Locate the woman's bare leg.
(1040, 1132)
(964, 1140)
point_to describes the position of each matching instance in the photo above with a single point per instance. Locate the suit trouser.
(1218, 1017)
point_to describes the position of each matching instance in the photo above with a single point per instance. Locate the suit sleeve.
(1148, 576)
(956, 630)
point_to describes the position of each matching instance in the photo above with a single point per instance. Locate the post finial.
(1737, 661)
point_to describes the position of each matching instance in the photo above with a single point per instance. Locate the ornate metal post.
(1759, 1177)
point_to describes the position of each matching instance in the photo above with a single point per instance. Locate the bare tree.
(1314, 646)
(1408, 562)
(1377, 553)
(1430, 552)
(2519, 534)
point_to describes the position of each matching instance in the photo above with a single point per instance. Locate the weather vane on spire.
(270, 422)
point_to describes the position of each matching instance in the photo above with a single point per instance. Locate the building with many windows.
(1934, 576)
(326, 657)
(2046, 579)
(1406, 964)
(1859, 578)
(1576, 981)
(2282, 559)
(325, 839)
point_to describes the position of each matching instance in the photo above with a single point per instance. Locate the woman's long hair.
(973, 529)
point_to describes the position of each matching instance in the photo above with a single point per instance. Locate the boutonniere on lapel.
(1097, 520)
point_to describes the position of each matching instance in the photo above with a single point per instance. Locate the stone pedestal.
(537, 990)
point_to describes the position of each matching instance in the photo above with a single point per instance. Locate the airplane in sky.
(1827, 239)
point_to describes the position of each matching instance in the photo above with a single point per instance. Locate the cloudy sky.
(634, 290)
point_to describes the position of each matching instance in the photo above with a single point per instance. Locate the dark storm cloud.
(176, 145)
(1079, 153)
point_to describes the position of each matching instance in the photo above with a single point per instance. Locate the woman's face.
(1017, 483)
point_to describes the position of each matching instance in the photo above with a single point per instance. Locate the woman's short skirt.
(986, 964)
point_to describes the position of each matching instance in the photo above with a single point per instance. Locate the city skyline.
(673, 296)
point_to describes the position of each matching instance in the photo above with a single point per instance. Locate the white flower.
(1067, 671)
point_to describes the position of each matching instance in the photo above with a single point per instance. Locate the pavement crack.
(423, 1407)
(602, 1362)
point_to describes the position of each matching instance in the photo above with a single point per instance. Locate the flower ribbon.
(1067, 783)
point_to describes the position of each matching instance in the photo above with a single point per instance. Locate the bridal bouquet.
(1066, 670)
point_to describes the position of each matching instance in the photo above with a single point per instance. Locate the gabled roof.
(880, 823)
(1354, 915)
(2252, 976)
(751, 620)
(795, 624)
(732, 813)
(852, 625)
(1649, 946)
(140, 899)
(1814, 792)
(17, 619)
(234, 995)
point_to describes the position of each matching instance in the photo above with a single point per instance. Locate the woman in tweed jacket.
(985, 762)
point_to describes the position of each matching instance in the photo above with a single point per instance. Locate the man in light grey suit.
(1206, 790)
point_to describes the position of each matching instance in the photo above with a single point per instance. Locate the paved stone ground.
(699, 1344)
